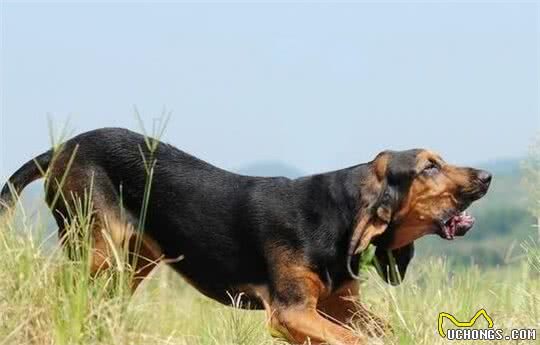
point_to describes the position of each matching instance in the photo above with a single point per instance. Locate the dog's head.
(409, 194)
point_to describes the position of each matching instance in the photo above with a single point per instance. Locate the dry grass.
(47, 299)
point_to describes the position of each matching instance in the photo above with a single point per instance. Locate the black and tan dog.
(291, 245)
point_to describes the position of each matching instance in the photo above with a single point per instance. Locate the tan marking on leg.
(117, 237)
(301, 325)
(344, 307)
(293, 305)
(145, 258)
(101, 256)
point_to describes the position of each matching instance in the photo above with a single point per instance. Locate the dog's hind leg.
(145, 255)
(86, 206)
(118, 239)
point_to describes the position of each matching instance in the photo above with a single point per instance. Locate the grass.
(46, 298)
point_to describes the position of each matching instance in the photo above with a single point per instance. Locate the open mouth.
(455, 225)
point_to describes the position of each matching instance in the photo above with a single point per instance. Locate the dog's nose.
(484, 177)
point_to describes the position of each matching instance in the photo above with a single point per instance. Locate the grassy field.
(47, 299)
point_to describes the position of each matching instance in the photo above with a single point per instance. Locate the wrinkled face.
(433, 195)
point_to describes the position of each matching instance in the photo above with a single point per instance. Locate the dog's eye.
(431, 169)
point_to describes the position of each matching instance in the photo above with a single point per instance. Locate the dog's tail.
(29, 172)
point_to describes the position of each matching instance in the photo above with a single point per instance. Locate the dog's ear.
(385, 188)
(371, 222)
(386, 262)
(373, 219)
(379, 199)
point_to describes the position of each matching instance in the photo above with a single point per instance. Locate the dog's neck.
(340, 195)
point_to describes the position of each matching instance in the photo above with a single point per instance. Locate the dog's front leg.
(304, 325)
(293, 310)
(344, 307)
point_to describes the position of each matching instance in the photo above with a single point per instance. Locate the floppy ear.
(372, 222)
(387, 260)
(374, 218)
(369, 226)
(392, 175)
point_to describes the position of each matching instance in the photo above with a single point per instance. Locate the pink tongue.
(458, 225)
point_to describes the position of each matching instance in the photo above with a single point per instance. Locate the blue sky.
(317, 86)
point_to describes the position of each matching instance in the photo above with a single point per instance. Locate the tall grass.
(46, 298)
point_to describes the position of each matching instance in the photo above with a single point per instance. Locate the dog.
(291, 246)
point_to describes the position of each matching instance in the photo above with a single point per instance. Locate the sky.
(318, 86)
